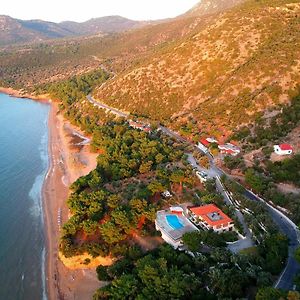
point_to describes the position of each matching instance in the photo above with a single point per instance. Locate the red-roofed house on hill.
(283, 149)
(210, 217)
(140, 126)
(212, 140)
(229, 149)
(205, 142)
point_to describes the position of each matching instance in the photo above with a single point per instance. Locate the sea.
(23, 165)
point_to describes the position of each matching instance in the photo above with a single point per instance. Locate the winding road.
(285, 225)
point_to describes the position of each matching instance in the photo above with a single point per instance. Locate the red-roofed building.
(283, 149)
(210, 217)
(140, 126)
(229, 149)
(212, 140)
(205, 142)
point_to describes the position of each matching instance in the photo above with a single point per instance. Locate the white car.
(203, 176)
(166, 194)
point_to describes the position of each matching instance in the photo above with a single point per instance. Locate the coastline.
(62, 282)
(64, 167)
(22, 94)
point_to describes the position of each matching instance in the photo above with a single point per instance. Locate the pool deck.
(174, 234)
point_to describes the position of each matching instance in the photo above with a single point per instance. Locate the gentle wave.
(37, 209)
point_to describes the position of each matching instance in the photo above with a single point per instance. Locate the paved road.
(242, 243)
(172, 134)
(106, 107)
(119, 113)
(285, 225)
(288, 228)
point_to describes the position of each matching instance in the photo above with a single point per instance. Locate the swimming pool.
(174, 222)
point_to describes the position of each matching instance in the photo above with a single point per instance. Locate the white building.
(212, 140)
(283, 149)
(202, 147)
(173, 225)
(229, 149)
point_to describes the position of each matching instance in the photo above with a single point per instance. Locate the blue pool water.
(174, 222)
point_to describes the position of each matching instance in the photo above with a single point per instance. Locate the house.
(202, 147)
(283, 149)
(229, 149)
(140, 126)
(205, 142)
(210, 217)
(212, 140)
(173, 224)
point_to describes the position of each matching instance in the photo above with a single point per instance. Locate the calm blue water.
(174, 222)
(23, 165)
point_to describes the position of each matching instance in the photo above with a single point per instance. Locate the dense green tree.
(274, 251)
(124, 287)
(139, 206)
(194, 240)
(297, 255)
(156, 187)
(255, 180)
(111, 233)
(269, 293)
(90, 226)
(113, 201)
(178, 177)
(145, 167)
(123, 218)
(234, 162)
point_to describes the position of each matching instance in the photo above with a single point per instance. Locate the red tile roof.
(205, 211)
(228, 151)
(205, 142)
(285, 147)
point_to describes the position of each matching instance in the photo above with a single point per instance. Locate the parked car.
(203, 176)
(166, 194)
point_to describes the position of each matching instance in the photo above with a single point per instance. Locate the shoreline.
(52, 280)
(22, 94)
(63, 283)
(64, 167)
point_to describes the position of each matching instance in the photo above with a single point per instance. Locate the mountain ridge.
(206, 7)
(14, 31)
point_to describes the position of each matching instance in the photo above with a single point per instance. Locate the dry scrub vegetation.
(243, 61)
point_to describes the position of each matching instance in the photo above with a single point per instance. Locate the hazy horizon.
(59, 11)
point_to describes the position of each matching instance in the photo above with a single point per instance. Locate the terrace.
(173, 225)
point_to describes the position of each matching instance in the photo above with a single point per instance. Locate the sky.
(82, 10)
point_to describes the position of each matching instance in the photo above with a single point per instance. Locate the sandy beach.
(64, 167)
(67, 162)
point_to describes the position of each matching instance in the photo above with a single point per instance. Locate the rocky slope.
(243, 61)
(206, 7)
